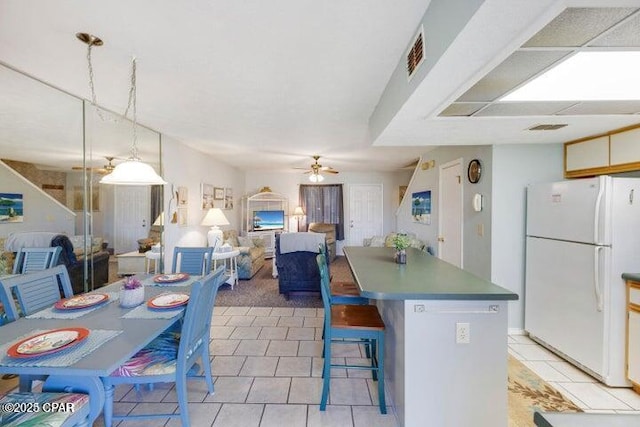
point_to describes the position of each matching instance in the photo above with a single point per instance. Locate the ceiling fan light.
(316, 177)
(133, 172)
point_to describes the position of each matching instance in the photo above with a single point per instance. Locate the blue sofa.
(297, 271)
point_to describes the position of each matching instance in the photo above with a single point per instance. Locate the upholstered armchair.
(251, 258)
(296, 262)
(329, 231)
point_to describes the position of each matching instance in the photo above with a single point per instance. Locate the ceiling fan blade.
(330, 171)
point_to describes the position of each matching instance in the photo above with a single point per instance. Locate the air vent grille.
(548, 127)
(415, 56)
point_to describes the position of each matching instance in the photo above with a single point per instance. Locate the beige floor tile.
(200, 415)
(305, 390)
(282, 311)
(332, 416)
(294, 322)
(239, 415)
(534, 352)
(626, 395)
(219, 310)
(265, 321)
(219, 320)
(246, 333)
(240, 320)
(252, 348)
(223, 347)
(158, 393)
(273, 333)
(227, 365)
(349, 391)
(313, 322)
(574, 374)
(231, 390)
(197, 391)
(260, 311)
(370, 416)
(345, 350)
(545, 371)
(237, 311)
(269, 390)
(301, 334)
(358, 373)
(149, 408)
(310, 348)
(261, 366)
(282, 348)
(284, 415)
(294, 367)
(595, 396)
(310, 312)
(221, 332)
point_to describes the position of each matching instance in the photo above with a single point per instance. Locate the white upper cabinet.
(593, 153)
(625, 147)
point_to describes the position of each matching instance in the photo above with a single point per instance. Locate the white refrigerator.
(581, 236)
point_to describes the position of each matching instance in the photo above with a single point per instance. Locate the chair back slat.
(194, 261)
(197, 319)
(35, 291)
(325, 289)
(29, 260)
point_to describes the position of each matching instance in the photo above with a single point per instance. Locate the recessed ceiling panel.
(515, 70)
(576, 26)
(545, 108)
(462, 109)
(602, 107)
(626, 35)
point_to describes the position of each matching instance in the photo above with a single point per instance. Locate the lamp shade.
(215, 216)
(133, 172)
(159, 220)
(298, 211)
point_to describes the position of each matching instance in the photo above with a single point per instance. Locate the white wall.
(287, 184)
(514, 167)
(476, 249)
(186, 167)
(41, 212)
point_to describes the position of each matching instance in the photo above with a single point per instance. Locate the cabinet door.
(625, 147)
(590, 154)
(633, 352)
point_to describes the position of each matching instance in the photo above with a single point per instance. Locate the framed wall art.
(183, 215)
(228, 198)
(11, 207)
(183, 196)
(421, 207)
(207, 196)
(218, 193)
(78, 198)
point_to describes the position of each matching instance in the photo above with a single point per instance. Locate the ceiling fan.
(106, 169)
(316, 169)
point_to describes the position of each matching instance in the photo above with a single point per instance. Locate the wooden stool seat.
(344, 289)
(356, 317)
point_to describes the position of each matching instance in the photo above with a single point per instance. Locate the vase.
(131, 297)
(401, 256)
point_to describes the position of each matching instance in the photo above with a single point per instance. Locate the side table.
(232, 268)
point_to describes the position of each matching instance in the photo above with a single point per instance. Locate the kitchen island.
(446, 338)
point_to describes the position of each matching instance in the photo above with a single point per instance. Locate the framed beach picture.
(218, 193)
(11, 209)
(228, 198)
(207, 196)
(421, 207)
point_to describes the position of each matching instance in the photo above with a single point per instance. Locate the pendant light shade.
(133, 172)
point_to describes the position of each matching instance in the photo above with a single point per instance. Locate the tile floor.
(267, 367)
(583, 390)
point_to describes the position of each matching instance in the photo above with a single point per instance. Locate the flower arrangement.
(131, 293)
(131, 283)
(401, 241)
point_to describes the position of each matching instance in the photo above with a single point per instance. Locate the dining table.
(115, 333)
(445, 337)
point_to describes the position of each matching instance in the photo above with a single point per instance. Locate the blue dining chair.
(342, 292)
(349, 324)
(33, 292)
(29, 260)
(196, 261)
(173, 355)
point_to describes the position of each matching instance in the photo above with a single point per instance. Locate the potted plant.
(401, 242)
(131, 292)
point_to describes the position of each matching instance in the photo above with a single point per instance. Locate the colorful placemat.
(144, 312)
(69, 356)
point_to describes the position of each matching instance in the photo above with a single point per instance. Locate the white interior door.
(131, 212)
(365, 212)
(450, 213)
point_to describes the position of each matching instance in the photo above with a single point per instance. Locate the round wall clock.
(474, 171)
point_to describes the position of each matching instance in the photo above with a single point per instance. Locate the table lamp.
(298, 213)
(214, 218)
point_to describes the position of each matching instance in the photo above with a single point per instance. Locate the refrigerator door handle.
(596, 215)
(596, 277)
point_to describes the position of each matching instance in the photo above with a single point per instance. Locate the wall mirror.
(61, 148)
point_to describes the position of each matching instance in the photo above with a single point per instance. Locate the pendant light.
(133, 171)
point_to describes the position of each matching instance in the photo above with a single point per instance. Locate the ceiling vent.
(415, 56)
(547, 127)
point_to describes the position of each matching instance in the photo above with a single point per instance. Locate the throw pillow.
(377, 241)
(245, 241)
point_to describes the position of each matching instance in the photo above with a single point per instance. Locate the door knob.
(144, 222)
(440, 239)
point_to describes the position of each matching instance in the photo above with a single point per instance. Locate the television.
(268, 220)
